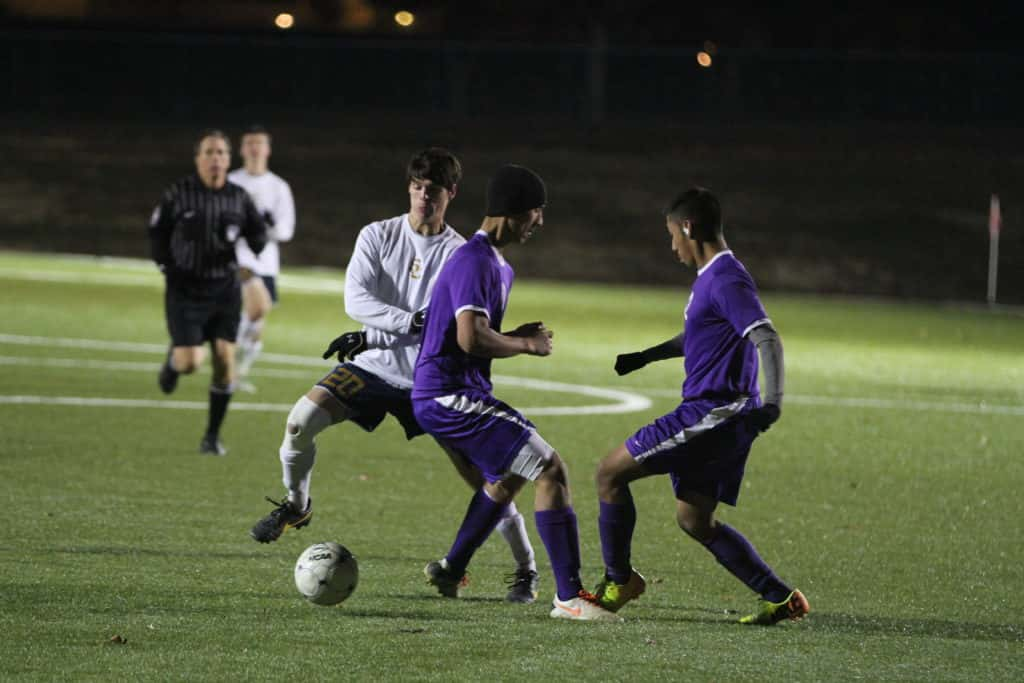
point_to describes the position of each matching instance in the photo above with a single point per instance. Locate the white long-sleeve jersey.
(269, 192)
(389, 277)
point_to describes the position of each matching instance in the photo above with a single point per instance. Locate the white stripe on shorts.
(714, 418)
(461, 404)
(532, 458)
(535, 454)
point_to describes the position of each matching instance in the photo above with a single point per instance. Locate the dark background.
(855, 151)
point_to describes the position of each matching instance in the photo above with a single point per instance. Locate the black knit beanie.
(514, 190)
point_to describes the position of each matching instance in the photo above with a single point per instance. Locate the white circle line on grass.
(619, 401)
(107, 402)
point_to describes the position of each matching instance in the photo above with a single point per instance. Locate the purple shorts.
(702, 446)
(487, 432)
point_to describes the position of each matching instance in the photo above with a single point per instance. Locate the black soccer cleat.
(444, 579)
(522, 586)
(282, 517)
(168, 377)
(211, 445)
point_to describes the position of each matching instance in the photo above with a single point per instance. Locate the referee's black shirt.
(193, 231)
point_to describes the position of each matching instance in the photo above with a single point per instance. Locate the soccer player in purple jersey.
(703, 444)
(452, 397)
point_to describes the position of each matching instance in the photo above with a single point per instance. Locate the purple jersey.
(475, 278)
(723, 309)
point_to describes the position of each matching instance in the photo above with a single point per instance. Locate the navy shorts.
(702, 446)
(370, 398)
(200, 313)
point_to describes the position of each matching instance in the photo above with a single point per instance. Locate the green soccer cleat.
(613, 596)
(794, 607)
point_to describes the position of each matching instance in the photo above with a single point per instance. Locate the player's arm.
(254, 230)
(476, 337)
(282, 227)
(769, 349)
(670, 348)
(161, 225)
(362, 303)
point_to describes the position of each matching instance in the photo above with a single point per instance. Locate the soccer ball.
(326, 573)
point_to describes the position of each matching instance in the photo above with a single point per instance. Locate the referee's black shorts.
(201, 312)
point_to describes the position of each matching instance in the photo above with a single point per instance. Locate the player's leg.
(314, 412)
(559, 531)
(185, 327)
(616, 522)
(222, 387)
(522, 583)
(695, 514)
(256, 305)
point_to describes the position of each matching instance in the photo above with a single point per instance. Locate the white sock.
(249, 344)
(513, 528)
(298, 449)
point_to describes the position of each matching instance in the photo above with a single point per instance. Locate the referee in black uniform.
(192, 234)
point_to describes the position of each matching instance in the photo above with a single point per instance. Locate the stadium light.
(284, 21)
(405, 19)
(704, 59)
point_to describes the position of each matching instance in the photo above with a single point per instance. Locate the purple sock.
(734, 552)
(616, 522)
(482, 516)
(560, 534)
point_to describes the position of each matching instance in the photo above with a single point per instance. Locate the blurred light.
(704, 59)
(710, 47)
(284, 21)
(404, 18)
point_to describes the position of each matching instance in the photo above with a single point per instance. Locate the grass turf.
(889, 493)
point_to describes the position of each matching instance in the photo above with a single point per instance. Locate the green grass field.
(890, 493)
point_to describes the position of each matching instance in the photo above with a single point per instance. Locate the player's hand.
(347, 346)
(538, 338)
(764, 417)
(626, 363)
(419, 319)
(268, 218)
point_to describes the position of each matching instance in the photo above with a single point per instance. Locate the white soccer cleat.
(584, 607)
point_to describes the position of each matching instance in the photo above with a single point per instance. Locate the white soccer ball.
(326, 573)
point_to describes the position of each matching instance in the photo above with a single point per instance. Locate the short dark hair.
(212, 133)
(437, 165)
(699, 206)
(256, 129)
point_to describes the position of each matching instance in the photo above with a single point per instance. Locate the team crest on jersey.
(232, 232)
(416, 269)
(154, 217)
(686, 310)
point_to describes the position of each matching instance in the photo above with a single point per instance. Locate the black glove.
(626, 363)
(268, 218)
(764, 417)
(419, 319)
(347, 346)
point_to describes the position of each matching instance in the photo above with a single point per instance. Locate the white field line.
(130, 366)
(627, 399)
(304, 284)
(980, 408)
(81, 401)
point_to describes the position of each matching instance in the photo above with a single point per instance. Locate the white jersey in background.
(269, 192)
(388, 279)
